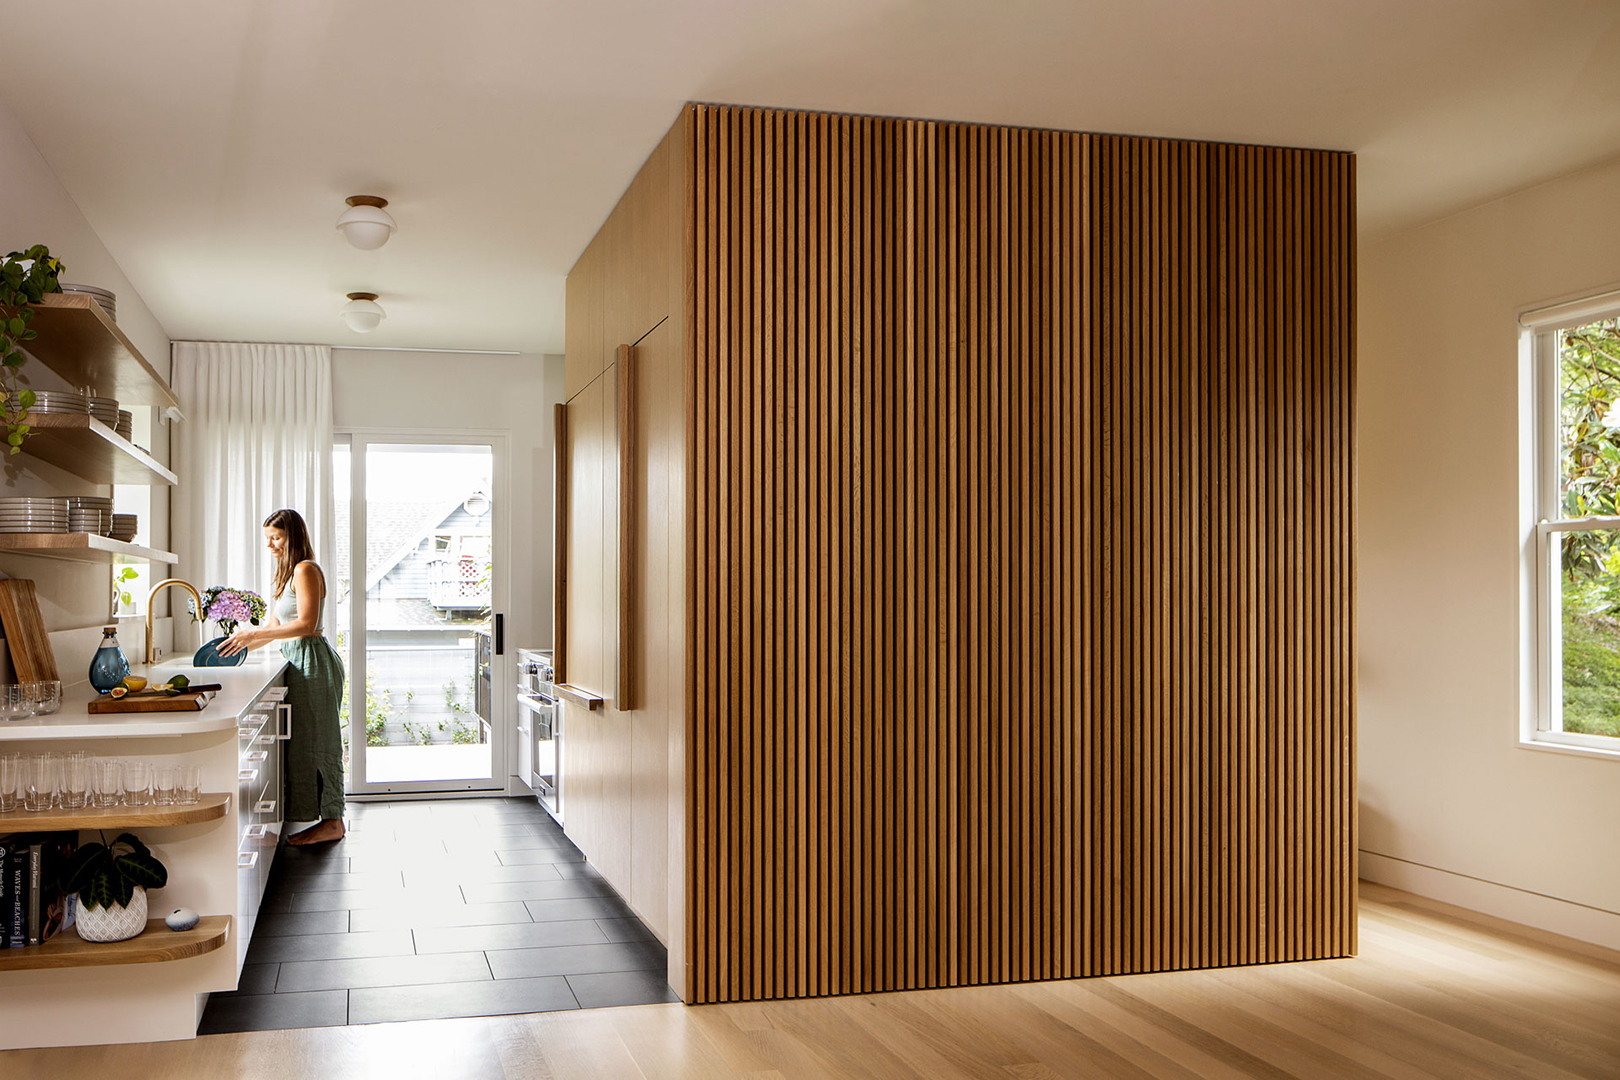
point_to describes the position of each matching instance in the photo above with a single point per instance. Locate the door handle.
(500, 634)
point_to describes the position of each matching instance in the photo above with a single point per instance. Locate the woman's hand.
(239, 642)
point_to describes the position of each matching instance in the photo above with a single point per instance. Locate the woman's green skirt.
(314, 754)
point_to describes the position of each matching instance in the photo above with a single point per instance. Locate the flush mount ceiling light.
(365, 224)
(362, 312)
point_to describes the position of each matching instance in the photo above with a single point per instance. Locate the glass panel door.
(418, 590)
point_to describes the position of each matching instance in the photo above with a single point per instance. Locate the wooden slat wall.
(1019, 539)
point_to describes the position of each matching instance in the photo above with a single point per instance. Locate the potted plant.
(25, 278)
(112, 883)
(228, 607)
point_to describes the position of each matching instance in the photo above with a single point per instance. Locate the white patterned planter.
(113, 923)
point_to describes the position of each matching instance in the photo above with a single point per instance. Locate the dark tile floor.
(459, 907)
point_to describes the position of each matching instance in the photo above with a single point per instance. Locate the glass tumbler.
(163, 785)
(11, 769)
(106, 782)
(44, 698)
(188, 785)
(74, 789)
(14, 702)
(137, 783)
(39, 782)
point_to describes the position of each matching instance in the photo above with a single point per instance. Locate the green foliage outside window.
(1589, 473)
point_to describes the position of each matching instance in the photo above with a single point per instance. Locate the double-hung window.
(1576, 580)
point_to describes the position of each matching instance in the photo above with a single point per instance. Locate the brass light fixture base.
(367, 200)
(362, 296)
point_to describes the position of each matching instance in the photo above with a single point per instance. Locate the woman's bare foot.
(322, 833)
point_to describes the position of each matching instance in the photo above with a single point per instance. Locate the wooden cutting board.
(24, 627)
(152, 703)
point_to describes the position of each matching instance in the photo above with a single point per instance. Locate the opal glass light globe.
(365, 224)
(363, 313)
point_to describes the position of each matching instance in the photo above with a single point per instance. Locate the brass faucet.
(151, 596)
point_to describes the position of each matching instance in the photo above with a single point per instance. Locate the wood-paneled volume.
(1018, 528)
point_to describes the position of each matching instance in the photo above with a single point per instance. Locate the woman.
(314, 758)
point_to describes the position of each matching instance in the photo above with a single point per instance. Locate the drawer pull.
(246, 776)
(265, 806)
(254, 832)
(247, 860)
(255, 755)
(264, 740)
(246, 732)
(275, 693)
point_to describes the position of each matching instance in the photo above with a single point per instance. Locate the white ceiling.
(211, 142)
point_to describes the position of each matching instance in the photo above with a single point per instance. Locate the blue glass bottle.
(109, 666)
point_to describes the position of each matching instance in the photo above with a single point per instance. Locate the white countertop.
(242, 686)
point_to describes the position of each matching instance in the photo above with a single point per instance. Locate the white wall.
(425, 392)
(36, 209)
(1451, 805)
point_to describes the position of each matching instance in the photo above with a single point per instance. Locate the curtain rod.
(365, 348)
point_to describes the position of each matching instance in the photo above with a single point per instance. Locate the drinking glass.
(163, 785)
(10, 779)
(75, 780)
(14, 703)
(44, 698)
(137, 783)
(39, 783)
(188, 786)
(107, 782)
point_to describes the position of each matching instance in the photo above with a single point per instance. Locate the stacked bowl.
(90, 514)
(125, 427)
(107, 300)
(19, 514)
(105, 409)
(61, 401)
(124, 526)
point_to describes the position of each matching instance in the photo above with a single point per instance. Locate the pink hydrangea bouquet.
(228, 607)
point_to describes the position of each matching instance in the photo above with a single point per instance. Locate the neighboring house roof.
(399, 613)
(394, 530)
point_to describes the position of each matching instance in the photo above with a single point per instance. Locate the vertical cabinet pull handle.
(283, 722)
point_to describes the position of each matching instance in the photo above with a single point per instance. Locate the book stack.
(33, 908)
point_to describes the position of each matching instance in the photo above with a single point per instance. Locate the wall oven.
(539, 730)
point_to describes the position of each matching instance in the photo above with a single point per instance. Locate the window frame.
(1543, 728)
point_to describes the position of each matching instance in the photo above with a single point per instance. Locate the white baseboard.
(1578, 921)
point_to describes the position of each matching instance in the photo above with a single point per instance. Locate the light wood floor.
(1436, 992)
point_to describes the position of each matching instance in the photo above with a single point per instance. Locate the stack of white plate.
(90, 514)
(107, 300)
(61, 401)
(126, 423)
(105, 409)
(33, 515)
(124, 526)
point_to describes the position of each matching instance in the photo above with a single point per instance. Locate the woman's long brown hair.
(298, 548)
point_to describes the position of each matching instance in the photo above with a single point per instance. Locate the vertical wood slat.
(1021, 573)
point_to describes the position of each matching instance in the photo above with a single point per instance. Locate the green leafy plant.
(462, 734)
(25, 278)
(122, 596)
(106, 876)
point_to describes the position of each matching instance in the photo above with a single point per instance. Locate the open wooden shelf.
(80, 343)
(87, 448)
(211, 806)
(80, 547)
(155, 944)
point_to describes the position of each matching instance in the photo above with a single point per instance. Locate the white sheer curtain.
(257, 437)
